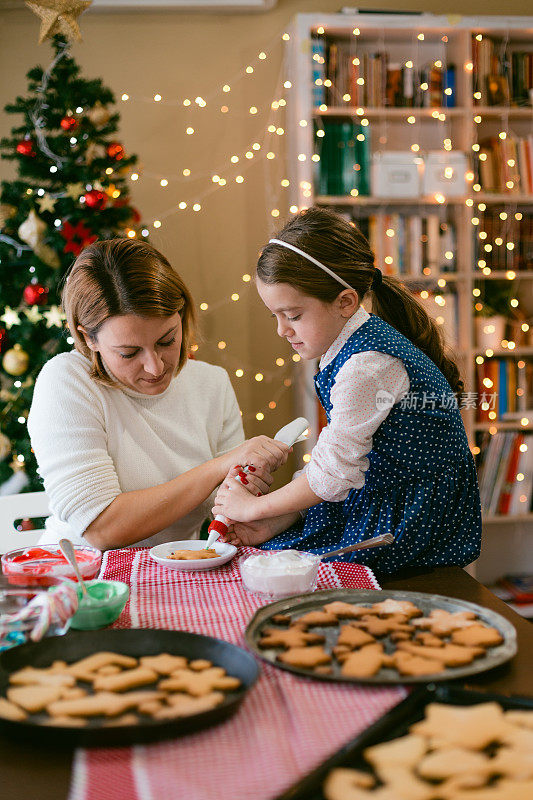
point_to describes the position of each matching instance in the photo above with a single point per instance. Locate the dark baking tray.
(300, 604)
(392, 725)
(135, 642)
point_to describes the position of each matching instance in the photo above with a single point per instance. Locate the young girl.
(394, 457)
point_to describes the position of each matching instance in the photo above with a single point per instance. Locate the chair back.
(21, 506)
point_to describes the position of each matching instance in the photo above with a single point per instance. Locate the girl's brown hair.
(339, 245)
(117, 277)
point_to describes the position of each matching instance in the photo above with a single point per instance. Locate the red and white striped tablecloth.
(285, 727)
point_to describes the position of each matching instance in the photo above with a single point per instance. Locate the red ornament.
(76, 237)
(35, 294)
(115, 151)
(69, 123)
(3, 339)
(25, 148)
(95, 199)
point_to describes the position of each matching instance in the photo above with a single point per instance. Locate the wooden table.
(44, 774)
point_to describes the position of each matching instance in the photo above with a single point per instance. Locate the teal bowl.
(105, 604)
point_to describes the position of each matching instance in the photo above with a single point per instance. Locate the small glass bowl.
(106, 602)
(15, 631)
(279, 573)
(41, 565)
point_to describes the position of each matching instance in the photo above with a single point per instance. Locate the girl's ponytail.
(393, 303)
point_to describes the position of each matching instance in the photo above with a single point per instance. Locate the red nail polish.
(252, 469)
(244, 480)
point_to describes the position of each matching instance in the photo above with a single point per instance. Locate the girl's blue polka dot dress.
(421, 484)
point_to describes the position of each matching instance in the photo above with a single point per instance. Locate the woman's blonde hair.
(115, 277)
(338, 244)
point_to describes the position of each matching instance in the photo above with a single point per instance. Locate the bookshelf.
(389, 51)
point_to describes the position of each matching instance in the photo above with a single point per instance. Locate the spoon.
(377, 541)
(68, 552)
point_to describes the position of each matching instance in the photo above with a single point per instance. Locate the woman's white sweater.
(93, 442)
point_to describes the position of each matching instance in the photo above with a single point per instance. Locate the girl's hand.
(249, 533)
(264, 454)
(235, 502)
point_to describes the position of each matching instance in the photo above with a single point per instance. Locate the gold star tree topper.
(59, 16)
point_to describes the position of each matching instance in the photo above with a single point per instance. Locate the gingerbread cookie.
(406, 751)
(201, 683)
(33, 698)
(451, 655)
(345, 610)
(311, 656)
(316, 618)
(127, 679)
(44, 677)
(105, 704)
(180, 705)
(428, 639)
(193, 555)
(85, 668)
(199, 664)
(451, 762)
(472, 727)
(353, 637)
(390, 606)
(11, 711)
(363, 663)
(415, 665)
(443, 623)
(164, 663)
(343, 784)
(382, 627)
(293, 637)
(477, 635)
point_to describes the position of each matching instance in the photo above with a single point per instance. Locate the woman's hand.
(235, 502)
(254, 482)
(264, 454)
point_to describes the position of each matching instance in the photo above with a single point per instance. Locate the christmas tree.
(70, 190)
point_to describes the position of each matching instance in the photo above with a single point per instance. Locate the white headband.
(312, 260)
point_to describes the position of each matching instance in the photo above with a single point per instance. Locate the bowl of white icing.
(279, 573)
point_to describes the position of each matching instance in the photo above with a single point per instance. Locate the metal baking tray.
(301, 604)
(392, 725)
(136, 642)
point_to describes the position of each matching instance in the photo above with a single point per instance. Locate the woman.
(131, 436)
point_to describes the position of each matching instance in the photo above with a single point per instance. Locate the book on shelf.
(506, 473)
(505, 166)
(370, 79)
(515, 227)
(501, 75)
(319, 70)
(344, 165)
(506, 386)
(408, 244)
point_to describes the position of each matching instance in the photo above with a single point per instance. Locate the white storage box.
(396, 174)
(445, 173)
